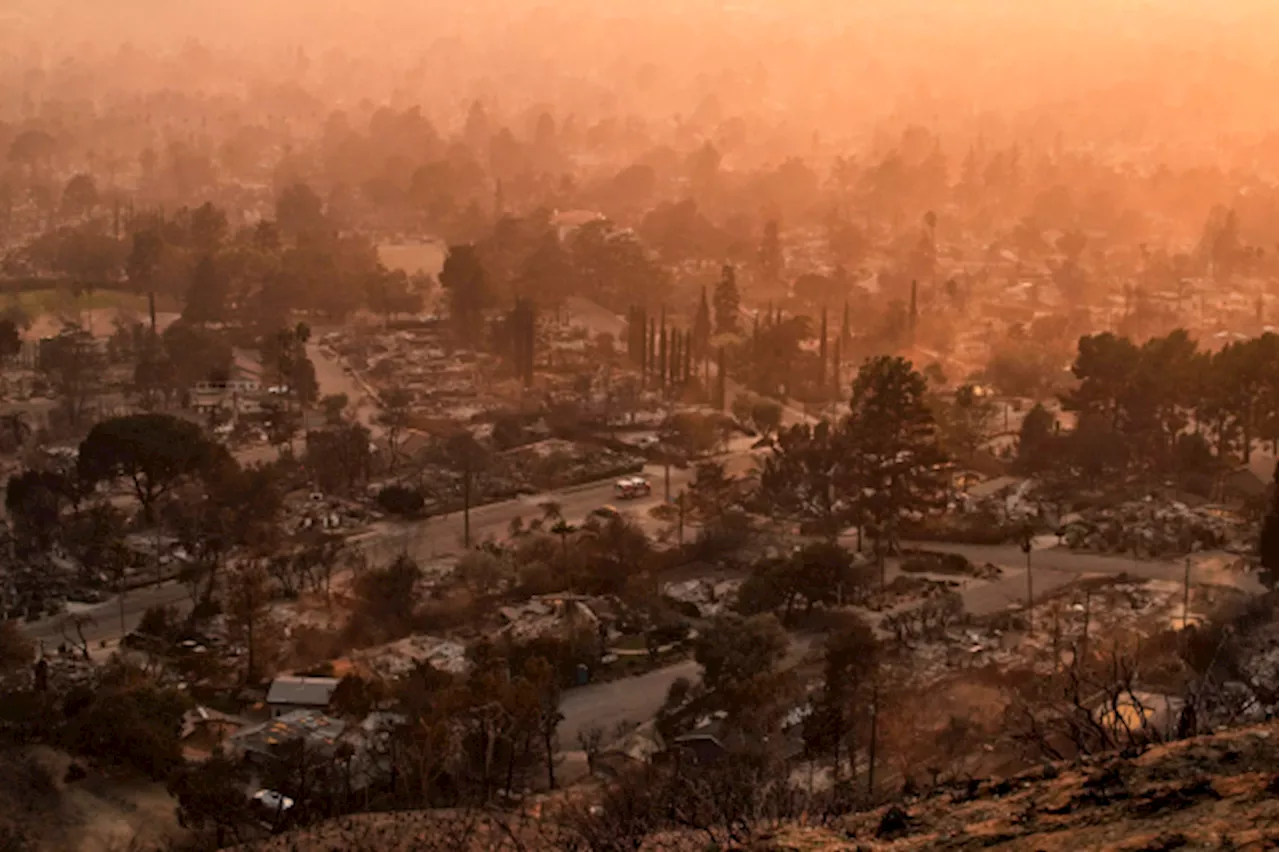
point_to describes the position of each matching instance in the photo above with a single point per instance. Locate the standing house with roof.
(289, 693)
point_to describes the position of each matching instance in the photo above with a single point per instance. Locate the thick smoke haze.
(1175, 83)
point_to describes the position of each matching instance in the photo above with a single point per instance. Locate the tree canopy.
(153, 451)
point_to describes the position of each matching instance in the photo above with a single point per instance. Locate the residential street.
(636, 699)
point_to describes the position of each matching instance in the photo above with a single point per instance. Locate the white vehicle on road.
(632, 487)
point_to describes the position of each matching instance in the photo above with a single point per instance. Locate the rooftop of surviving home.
(306, 691)
(300, 724)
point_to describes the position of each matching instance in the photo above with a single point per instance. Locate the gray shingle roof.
(305, 691)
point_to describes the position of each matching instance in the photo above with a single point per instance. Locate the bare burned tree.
(76, 623)
(1091, 707)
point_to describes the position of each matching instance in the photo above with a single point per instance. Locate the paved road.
(424, 540)
(1053, 568)
(606, 705)
(105, 624)
(636, 699)
(332, 379)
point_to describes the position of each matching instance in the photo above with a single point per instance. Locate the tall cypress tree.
(822, 350)
(662, 350)
(835, 369)
(635, 336)
(688, 362)
(727, 300)
(702, 325)
(674, 360)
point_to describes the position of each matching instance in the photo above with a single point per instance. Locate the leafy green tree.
(129, 720)
(547, 274)
(774, 351)
(386, 599)
(208, 228)
(712, 491)
(34, 499)
(849, 663)
(819, 573)
(893, 447)
(334, 406)
(393, 292)
(470, 295)
(823, 573)
(1104, 366)
(806, 478)
(73, 365)
(248, 608)
(33, 149)
(1097, 451)
(208, 294)
(153, 451)
(1037, 441)
(79, 196)
(339, 457)
(286, 352)
(614, 267)
(300, 211)
(965, 422)
(740, 659)
(86, 256)
(195, 355)
(212, 795)
(766, 417)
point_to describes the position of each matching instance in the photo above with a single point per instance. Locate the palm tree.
(553, 514)
(552, 511)
(563, 529)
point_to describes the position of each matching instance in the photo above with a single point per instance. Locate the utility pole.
(680, 524)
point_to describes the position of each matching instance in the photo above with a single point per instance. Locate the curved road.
(423, 540)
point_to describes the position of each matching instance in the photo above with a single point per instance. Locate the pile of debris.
(961, 646)
(398, 658)
(907, 589)
(39, 584)
(1153, 528)
(556, 463)
(317, 511)
(560, 616)
(708, 597)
